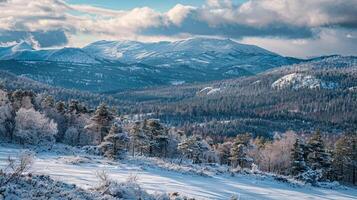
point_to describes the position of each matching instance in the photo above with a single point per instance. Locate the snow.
(177, 82)
(209, 90)
(298, 80)
(156, 179)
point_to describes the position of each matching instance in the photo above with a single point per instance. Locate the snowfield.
(297, 81)
(81, 170)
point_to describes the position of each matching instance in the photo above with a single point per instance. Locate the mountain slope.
(107, 66)
(319, 94)
(202, 53)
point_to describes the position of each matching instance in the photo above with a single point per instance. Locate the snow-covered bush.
(310, 176)
(71, 136)
(34, 128)
(126, 190)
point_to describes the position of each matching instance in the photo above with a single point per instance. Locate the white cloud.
(178, 13)
(298, 20)
(328, 42)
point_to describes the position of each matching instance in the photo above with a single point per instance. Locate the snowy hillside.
(80, 170)
(196, 52)
(297, 81)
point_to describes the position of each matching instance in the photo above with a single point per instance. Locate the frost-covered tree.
(224, 152)
(101, 122)
(48, 102)
(139, 141)
(238, 152)
(275, 156)
(157, 135)
(32, 127)
(23, 99)
(61, 107)
(7, 116)
(194, 148)
(318, 157)
(298, 164)
(115, 142)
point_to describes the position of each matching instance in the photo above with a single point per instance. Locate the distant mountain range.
(107, 66)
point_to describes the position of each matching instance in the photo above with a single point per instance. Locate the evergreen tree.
(48, 102)
(238, 153)
(61, 107)
(345, 158)
(158, 137)
(101, 121)
(194, 148)
(318, 157)
(114, 142)
(138, 138)
(298, 164)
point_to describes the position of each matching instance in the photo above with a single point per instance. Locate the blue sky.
(300, 28)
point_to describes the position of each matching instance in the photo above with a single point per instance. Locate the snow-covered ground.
(82, 170)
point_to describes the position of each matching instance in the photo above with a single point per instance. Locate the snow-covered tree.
(238, 153)
(101, 122)
(32, 127)
(7, 116)
(61, 107)
(194, 148)
(115, 142)
(275, 156)
(318, 157)
(22, 99)
(157, 135)
(138, 139)
(224, 151)
(298, 164)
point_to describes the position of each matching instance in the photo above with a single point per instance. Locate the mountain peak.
(22, 46)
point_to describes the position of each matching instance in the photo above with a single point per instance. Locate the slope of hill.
(200, 53)
(316, 94)
(157, 180)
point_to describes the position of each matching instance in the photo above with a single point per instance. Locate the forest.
(29, 118)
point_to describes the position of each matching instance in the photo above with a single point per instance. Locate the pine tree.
(114, 142)
(158, 137)
(61, 107)
(48, 102)
(138, 138)
(318, 157)
(101, 121)
(238, 153)
(345, 158)
(194, 148)
(298, 164)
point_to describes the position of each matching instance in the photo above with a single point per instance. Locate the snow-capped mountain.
(73, 55)
(112, 65)
(197, 53)
(25, 52)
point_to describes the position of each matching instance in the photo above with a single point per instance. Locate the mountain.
(200, 53)
(107, 66)
(317, 94)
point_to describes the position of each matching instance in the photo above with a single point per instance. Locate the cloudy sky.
(301, 28)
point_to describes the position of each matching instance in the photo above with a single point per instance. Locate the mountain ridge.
(119, 65)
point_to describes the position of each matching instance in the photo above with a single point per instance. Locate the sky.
(298, 28)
